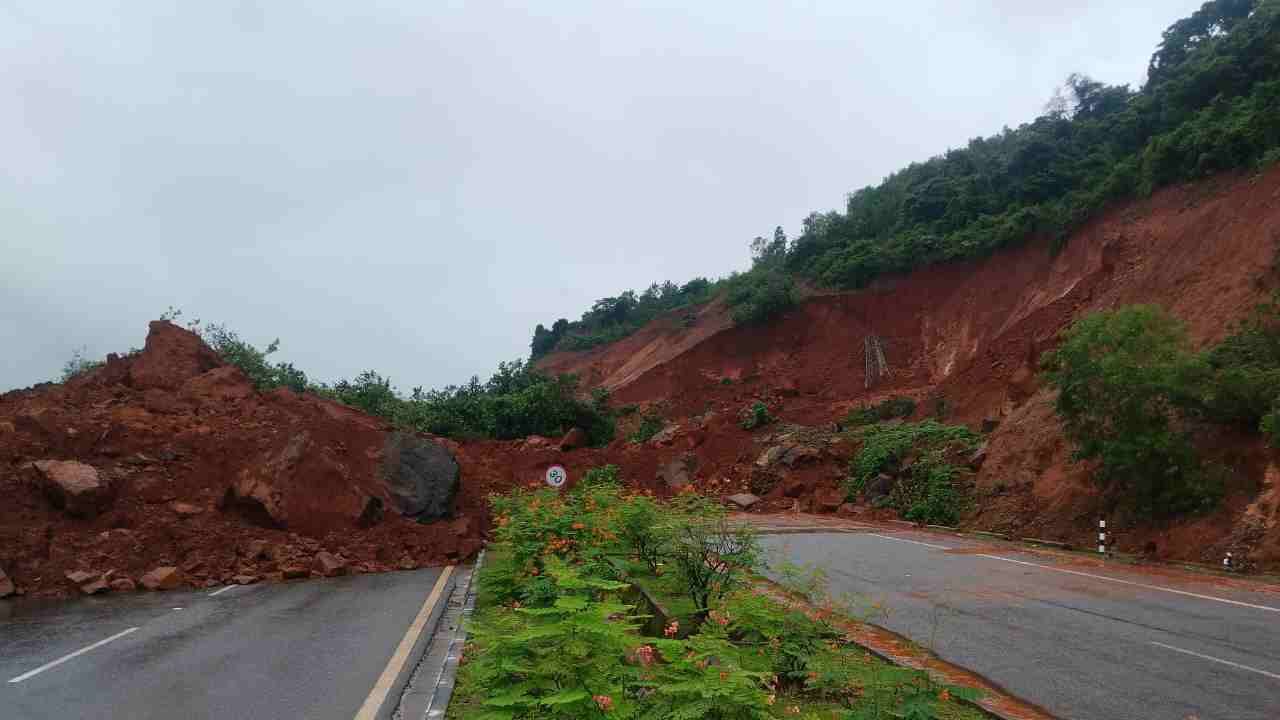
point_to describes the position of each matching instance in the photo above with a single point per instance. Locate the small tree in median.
(711, 555)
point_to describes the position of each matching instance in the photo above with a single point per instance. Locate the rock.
(535, 442)
(800, 455)
(256, 549)
(743, 500)
(978, 457)
(96, 586)
(328, 564)
(245, 579)
(372, 513)
(74, 486)
(218, 386)
(678, 473)
(7, 587)
(293, 572)
(849, 509)
(879, 486)
(170, 357)
(421, 477)
(123, 584)
(787, 388)
(81, 577)
(770, 456)
(185, 510)
(575, 438)
(793, 488)
(989, 424)
(407, 563)
(162, 578)
(665, 436)
(829, 500)
(255, 491)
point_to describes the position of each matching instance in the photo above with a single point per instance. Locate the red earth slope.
(972, 333)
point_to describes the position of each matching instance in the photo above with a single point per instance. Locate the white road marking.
(1217, 660)
(913, 542)
(1135, 584)
(70, 656)
(377, 696)
(216, 593)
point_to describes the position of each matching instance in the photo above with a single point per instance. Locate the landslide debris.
(166, 468)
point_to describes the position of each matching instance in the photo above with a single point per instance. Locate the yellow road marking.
(382, 688)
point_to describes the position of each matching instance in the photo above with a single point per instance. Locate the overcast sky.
(412, 186)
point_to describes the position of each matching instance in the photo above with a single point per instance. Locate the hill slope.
(971, 333)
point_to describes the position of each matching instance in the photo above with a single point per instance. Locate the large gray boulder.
(421, 476)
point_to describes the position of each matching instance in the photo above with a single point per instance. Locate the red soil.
(972, 332)
(172, 425)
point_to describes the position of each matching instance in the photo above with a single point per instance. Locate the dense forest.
(1211, 102)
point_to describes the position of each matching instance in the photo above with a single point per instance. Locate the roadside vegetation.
(924, 461)
(563, 630)
(1132, 396)
(1211, 103)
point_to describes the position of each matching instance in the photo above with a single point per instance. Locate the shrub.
(651, 423)
(79, 365)
(641, 527)
(252, 362)
(608, 476)
(888, 409)
(760, 294)
(756, 416)
(927, 493)
(1239, 380)
(711, 555)
(558, 661)
(703, 679)
(791, 637)
(1121, 377)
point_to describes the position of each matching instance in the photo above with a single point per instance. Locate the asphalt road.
(1058, 632)
(313, 649)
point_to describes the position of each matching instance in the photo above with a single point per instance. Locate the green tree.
(1121, 379)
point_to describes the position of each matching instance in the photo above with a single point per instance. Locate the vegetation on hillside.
(1132, 395)
(1211, 102)
(923, 457)
(517, 401)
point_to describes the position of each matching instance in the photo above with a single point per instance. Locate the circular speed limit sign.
(556, 476)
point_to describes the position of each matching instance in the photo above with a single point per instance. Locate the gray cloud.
(412, 186)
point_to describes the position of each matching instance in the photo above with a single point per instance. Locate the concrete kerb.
(429, 686)
(978, 705)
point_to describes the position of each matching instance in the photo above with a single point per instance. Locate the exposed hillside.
(970, 333)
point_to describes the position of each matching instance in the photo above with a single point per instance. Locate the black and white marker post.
(1102, 537)
(1227, 562)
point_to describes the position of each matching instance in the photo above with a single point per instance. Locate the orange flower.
(603, 701)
